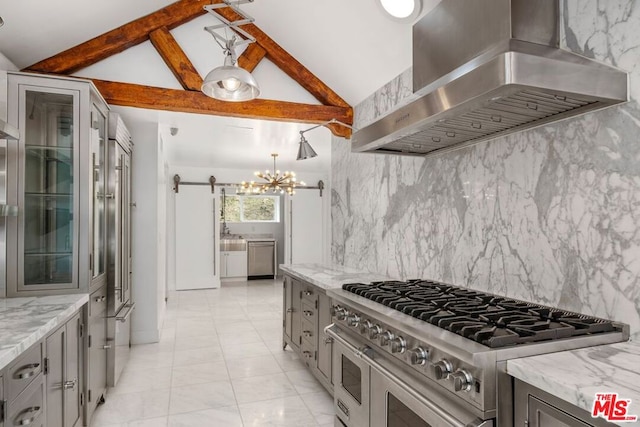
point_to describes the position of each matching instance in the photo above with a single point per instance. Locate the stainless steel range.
(423, 353)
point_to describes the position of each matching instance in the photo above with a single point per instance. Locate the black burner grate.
(492, 320)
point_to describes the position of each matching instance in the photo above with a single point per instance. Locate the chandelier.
(276, 182)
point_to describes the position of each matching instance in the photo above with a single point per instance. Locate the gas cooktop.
(491, 320)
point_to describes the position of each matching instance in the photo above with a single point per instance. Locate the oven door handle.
(365, 353)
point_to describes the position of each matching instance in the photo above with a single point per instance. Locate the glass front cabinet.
(56, 176)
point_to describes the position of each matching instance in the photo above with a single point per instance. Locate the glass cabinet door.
(98, 190)
(49, 123)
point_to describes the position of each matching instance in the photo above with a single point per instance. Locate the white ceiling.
(350, 45)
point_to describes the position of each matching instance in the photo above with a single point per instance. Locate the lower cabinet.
(42, 386)
(233, 264)
(536, 408)
(306, 312)
(96, 350)
(63, 363)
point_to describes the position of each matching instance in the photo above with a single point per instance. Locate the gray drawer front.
(28, 409)
(309, 294)
(23, 371)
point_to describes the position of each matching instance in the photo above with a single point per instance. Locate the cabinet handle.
(328, 340)
(308, 313)
(306, 333)
(27, 371)
(100, 299)
(70, 385)
(307, 293)
(21, 420)
(106, 347)
(307, 354)
(109, 196)
(289, 310)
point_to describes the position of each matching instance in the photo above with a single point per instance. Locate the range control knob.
(442, 369)
(385, 338)
(341, 313)
(374, 331)
(462, 380)
(353, 320)
(398, 345)
(418, 356)
(365, 327)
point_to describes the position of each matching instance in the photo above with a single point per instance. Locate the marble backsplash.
(550, 215)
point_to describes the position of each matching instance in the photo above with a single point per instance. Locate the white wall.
(148, 231)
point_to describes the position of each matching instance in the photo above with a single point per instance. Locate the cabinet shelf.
(48, 147)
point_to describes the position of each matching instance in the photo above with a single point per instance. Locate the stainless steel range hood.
(486, 68)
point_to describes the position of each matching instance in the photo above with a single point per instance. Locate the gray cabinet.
(306, 312)
(536, 408)
(96, 350)
(63, 375)
(325, 344)
(57, 242)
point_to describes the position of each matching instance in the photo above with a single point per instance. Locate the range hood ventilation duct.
(487, 68)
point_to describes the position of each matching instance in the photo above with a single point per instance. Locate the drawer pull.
(23, 418)
(27, 371)
(70, 385)
(307, 354)
(307, 333)
(289, 310)
(100, 299)
(308, 313)
(307, 293)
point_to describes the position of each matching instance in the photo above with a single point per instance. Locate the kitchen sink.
(234, 244)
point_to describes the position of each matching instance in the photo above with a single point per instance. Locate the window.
(252, 209)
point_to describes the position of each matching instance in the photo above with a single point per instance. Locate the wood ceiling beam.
(251, 57)
(176, 59)
(287, 63)
(139, 96)
(121, 38)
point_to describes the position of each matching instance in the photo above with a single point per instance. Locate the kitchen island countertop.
(329, 276)
(23, 321)
(577, 375)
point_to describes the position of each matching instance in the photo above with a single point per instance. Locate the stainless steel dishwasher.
(261, 259)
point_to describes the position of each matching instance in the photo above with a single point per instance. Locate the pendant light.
(230, 82)
(305, 150)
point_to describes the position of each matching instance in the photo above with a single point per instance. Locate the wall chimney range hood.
(487, 68)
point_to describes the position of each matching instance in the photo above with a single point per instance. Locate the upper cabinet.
(56, 176)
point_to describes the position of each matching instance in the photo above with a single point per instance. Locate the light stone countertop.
(23, 321)
(577, 375)
(329, 276)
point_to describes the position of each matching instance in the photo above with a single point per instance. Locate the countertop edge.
(8, 355)
(329, 276)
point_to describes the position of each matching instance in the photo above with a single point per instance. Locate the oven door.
(351, 386)
(390, 401)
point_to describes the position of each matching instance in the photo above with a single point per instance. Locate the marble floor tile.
(199, 373)
(224, 417)
(253, 366)
(264, 387)
(321, 406)
(239, 351)
(219, 362)
(197, 355)
(197, 397)
(124, 408)
(134, 380)
(288, 411)
(304, 381)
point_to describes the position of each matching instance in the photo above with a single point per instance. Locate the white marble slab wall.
(550, 215)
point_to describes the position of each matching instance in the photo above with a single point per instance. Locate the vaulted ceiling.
(337, 52)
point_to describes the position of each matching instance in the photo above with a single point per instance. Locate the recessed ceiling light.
(402, 10)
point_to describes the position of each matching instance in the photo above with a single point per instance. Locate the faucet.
(225, 228)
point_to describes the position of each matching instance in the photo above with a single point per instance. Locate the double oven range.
(426, 354)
